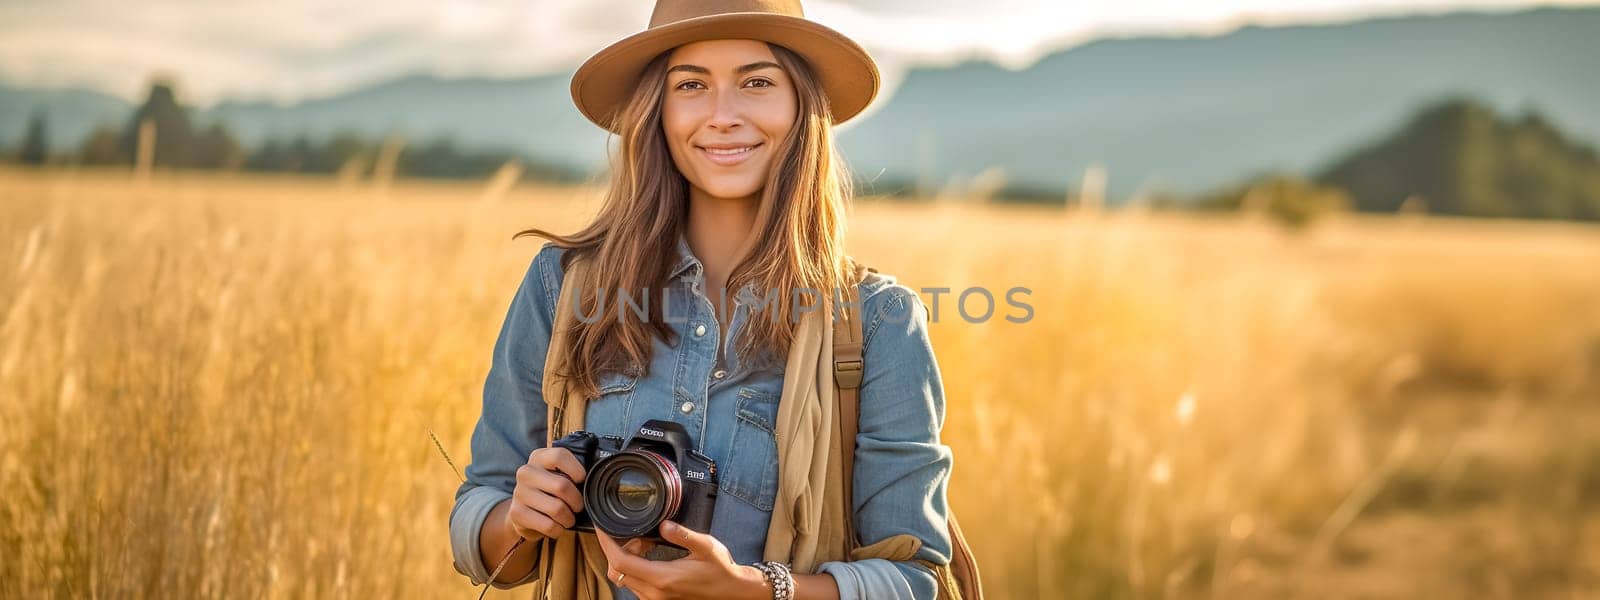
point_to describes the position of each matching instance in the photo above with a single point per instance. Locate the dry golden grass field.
(222, 386)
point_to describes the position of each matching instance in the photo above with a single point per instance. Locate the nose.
(726, 111)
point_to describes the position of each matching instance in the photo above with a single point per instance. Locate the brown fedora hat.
(847, 73)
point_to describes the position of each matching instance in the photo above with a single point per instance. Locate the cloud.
(290, 49)
(287, 50)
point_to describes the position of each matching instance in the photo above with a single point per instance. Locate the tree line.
(1456, 157)
(173, 140)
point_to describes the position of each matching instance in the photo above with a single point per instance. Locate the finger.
(696, 543)
(638, 546)
(557, 485)
(519, 521)
(543, 502)
(624, 562)
(536, 477)
(612, 550)
(558, 459)
(554, 508)
(639, 587)
(533, 524)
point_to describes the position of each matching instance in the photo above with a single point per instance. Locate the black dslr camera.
(632, 485)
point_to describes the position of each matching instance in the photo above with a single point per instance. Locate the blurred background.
(1316, 284)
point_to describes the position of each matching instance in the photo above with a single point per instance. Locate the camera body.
(632, 485)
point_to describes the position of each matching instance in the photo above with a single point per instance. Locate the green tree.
(35, 145)
(215, 148)
(103, 146)
(175, 139)
(1291, 201)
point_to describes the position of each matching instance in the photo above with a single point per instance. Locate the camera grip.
(698, 505)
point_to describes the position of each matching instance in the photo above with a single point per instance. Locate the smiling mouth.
(729, 156)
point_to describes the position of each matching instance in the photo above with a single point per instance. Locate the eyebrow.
(765, 64)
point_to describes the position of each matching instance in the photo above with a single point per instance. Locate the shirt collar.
(687, 260)
(686, 257)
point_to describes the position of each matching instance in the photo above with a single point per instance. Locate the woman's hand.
(546, 500)
(707, 572)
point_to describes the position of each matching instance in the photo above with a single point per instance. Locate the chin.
(731, 190)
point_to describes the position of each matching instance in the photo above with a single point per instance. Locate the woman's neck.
(718, 229)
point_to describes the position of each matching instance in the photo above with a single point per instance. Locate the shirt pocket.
(614, 382)
(752, 472)
(607, 414)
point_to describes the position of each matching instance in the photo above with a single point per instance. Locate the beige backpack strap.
(847, 369)
(958, 580)
(963, 567)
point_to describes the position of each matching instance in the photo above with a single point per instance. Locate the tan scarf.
(808, 519)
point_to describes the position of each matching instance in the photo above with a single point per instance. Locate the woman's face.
(728, 106)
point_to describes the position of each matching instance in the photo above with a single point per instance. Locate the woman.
(725, 178)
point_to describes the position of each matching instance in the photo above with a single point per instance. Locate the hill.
(1460, 158)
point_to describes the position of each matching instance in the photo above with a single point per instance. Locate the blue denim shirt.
(730, 410)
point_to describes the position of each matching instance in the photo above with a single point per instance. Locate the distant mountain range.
(1169, 115)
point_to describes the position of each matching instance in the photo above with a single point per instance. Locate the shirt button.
(719, 373)
(699, 330)
(687, 407)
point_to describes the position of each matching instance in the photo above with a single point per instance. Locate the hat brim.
(849, 77)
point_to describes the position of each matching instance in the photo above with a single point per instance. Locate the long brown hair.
(797, 243)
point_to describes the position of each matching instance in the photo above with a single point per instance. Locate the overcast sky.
(287, 50)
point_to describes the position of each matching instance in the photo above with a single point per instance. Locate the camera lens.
(636, 491)
(629, 493)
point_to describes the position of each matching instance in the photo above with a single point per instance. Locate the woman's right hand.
(546, 500)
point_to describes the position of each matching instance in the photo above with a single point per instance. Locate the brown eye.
(763, 82)
(683, 86)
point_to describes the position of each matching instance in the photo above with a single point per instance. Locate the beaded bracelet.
(779, 579)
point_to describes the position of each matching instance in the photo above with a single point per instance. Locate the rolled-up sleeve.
(901, 467)
(513, 421)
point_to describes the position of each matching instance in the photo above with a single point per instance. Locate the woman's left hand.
(707, 572)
